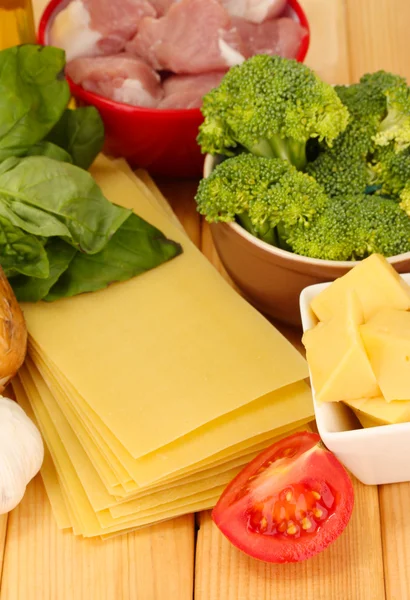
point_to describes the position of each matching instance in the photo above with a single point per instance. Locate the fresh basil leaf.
(135, 248)
(81, 133)
(49, 150)
(21, 252)
(32, 219)
(33, 95)
(33, 289)
(69, 193)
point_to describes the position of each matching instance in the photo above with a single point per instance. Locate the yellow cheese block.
(381, 412)
(375, 282)
(386, 337)
(366, 421)
(337, 358)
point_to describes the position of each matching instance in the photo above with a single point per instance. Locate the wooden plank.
(394, 503)
(42, 563)
(350, 569)
(3, 533)
(180, 194)
(328, 48)
(387, 49)
(379, 36)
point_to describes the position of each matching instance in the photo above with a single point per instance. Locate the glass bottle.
(16, 23)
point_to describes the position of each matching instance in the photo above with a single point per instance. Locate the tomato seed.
(282, 527)
(292, 529)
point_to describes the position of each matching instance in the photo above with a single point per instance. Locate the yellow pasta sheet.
(53, 425)
(46, 408)
(235, 432)
(222, 465)
(87, 523)
(84, 519)
(166, 352)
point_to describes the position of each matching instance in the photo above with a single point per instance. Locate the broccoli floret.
(263, 194)
(344, 168)
(353, 227)
(391, 169)
(396, 125)
(270, 106)
(405, 199)
(367, 99)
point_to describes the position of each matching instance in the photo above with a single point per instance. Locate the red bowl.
(162, 141)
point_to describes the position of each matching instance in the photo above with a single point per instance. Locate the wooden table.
(188, 557)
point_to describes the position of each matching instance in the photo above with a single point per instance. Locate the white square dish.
(376, 455)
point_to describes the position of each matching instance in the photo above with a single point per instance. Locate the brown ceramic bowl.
(270, 278)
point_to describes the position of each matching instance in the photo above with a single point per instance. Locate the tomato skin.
(289, 503)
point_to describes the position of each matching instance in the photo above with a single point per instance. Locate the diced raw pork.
(277, 36)
(122, 78)
(195, 36)
(98, 27)
(255, 11)
(187, 91)
(162, 6)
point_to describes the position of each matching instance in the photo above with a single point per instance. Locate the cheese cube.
(337, 359)
(376, 411)
(386, 337)
(376, 283)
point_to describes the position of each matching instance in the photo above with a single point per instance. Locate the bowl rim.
(209, 165)
(51, 10)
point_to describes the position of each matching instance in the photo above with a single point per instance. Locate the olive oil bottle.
(16, 23)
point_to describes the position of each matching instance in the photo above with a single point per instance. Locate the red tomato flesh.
(289, 503)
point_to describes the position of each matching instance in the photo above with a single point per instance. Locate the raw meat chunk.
(98, 27)
(162, 6)
(278, 36)
(195, 36)
(255, 11)
(187, 91)
(121, 77)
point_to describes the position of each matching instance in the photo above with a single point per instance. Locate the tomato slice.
(289, 503)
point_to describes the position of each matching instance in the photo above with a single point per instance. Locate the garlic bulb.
(21, 453)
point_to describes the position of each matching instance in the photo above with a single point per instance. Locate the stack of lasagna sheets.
(153, 393)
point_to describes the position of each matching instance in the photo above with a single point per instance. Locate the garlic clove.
(21, 453)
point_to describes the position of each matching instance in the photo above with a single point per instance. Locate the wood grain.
(328, 53)
(395, 524)
(42, 563)
(180, 196)
(3, 533)
(350, 569)
(378, 36)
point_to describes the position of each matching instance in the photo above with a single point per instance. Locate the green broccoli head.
(405, 199)
(390, 169)
(343, 169)
(270, 106)
(396, 125)
(261, 194)
(353, 227)
(367, 99)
